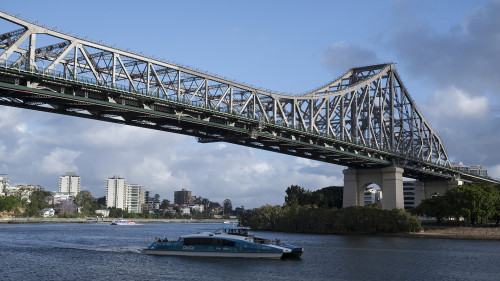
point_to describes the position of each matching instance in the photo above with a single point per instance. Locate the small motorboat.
(122, 222)
(224, 242)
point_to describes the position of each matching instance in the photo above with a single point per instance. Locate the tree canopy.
(84, 201)
(472, 202)
(327, 197)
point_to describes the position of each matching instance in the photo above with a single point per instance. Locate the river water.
(99, 251)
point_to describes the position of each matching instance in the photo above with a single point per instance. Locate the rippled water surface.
(99, 251)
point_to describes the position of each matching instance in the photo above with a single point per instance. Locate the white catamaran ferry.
(224, 242)
(122, 222)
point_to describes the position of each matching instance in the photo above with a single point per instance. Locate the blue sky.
(445, 51)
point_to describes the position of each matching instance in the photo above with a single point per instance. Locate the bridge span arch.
(364, 119)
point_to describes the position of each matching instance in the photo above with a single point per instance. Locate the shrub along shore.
(350, 220)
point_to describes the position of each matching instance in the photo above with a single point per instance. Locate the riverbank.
(430, 231)
(107, 220)
(459, 232)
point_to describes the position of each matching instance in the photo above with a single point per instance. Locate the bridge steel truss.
(364, 119)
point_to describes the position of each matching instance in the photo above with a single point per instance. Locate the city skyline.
(444, 52)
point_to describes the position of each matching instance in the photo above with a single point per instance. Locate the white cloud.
(153, 169)
(59, 160)
(22, 128)
(261, 167)
(456, 104)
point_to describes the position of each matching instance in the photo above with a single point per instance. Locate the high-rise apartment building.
(70, 183)
(183, 197)
(115, 192)
(134, 198)
(129, 197)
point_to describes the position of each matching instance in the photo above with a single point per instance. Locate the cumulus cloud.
(455, 104)
(464, 122)
(341, 56)
(59, 160)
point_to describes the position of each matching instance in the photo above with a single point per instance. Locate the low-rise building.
(47, 212)
(474, 169)
(103, 212)
(197, 208)
(24, 191)
(58, 197)
(185, 211)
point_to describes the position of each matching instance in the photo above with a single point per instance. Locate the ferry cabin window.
(209, 242)
(241, 232)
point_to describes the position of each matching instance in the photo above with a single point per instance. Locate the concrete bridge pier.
(390, 181)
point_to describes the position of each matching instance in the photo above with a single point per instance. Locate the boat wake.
(105, 248)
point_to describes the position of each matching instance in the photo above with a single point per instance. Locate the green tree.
(295, 195)
(329, 197)
(83, 201)
(116, 212)
(9, 203)
(496, 209)
(472, 201)
(37, 202)
(164, 204)
(101, 201)
(438, 207)
(227, 206)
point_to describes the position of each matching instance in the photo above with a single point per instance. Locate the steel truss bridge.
(364, 119)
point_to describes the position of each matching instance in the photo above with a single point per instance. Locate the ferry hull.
(256, 255)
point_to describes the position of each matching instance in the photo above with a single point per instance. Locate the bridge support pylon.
(390, 181)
